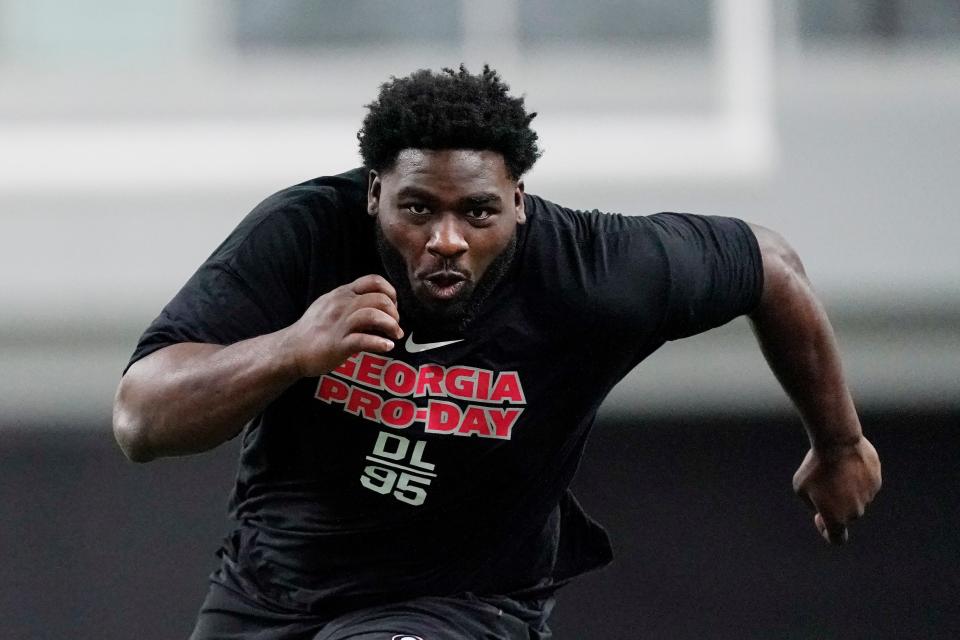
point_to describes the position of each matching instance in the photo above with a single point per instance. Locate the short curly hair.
(448, 110)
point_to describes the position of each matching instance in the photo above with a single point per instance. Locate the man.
(420, 347)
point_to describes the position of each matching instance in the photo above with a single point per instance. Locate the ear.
(518, 203)
(373, 193)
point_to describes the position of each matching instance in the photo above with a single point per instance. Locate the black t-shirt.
(443, 470)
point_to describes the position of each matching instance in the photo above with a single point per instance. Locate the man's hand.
(359, 316)
(190, 397)
(838, 481)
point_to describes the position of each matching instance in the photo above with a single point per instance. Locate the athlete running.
(413, 353)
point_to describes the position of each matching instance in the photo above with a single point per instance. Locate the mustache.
(441, 267)
(444, 270)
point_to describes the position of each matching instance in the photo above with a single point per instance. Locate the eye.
(418, 209)
(479, 213)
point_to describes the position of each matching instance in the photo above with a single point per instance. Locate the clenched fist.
(359, 316)
(838, 482)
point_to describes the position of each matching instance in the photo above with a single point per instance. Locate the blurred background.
(134, 136)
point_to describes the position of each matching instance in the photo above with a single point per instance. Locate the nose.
(446, 238)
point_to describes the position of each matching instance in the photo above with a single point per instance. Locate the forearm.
(799, 344)
(840, 474)
(190, 397)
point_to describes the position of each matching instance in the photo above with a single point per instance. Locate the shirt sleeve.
(714, 271)
(253, 284)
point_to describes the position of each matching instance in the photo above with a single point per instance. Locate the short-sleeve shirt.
(444, 470)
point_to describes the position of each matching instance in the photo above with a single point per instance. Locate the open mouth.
(444, 285)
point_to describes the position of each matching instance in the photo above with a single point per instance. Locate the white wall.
(115, 184)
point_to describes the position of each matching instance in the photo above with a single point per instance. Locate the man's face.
(446, 227)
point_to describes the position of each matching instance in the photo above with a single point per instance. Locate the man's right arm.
(190, 397)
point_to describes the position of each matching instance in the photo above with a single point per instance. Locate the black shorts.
(227, 615)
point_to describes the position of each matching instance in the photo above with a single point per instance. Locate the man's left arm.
(841, 473)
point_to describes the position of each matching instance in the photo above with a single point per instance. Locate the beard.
(441, 318)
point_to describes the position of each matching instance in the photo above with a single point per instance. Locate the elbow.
(784, 277)
(132, 447)
(779, 258)
(131, 438)
(130, 427)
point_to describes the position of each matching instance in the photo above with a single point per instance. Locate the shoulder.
(595, 266)
(324, 200)
(343, 190)
(549, 218)
(329, 208)
(553, 231)
(555, 227)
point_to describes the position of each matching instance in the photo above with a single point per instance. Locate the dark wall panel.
(710, 541)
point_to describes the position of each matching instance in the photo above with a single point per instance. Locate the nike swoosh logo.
(413, 347)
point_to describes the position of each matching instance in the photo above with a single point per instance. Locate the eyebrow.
(478, 199)
(414, 192)
(472, 200)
